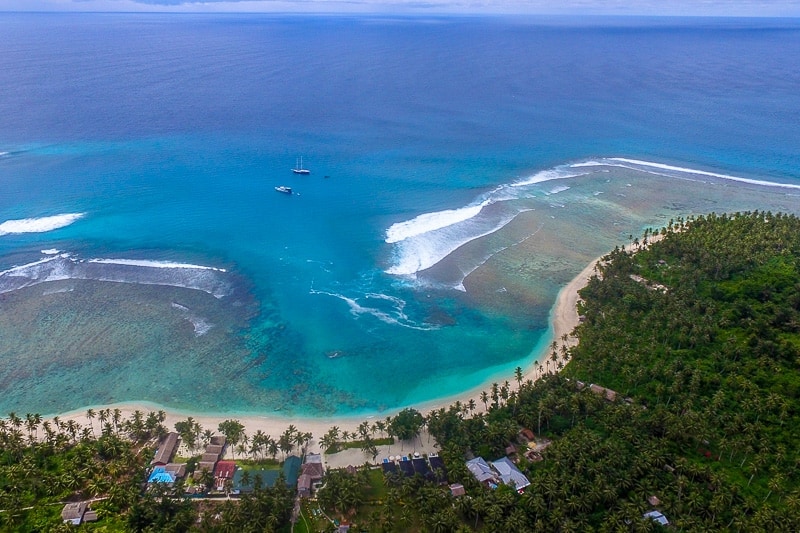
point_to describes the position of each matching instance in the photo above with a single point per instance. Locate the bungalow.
(166, 450)
(218, 440)
(203, 466)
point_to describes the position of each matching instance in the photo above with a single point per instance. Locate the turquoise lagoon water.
(462, 171)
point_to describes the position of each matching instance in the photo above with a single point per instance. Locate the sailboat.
(299, 167)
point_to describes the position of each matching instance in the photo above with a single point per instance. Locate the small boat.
(284, 189)
(299, 167)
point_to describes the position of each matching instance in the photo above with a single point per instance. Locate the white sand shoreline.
(563, 320)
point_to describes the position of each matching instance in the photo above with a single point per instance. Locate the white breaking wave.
(50, 251)
(626, 163)
(556, 190)
(425, 240)
(64, 266)
(153, 264)
(428, 222)
(38, 225)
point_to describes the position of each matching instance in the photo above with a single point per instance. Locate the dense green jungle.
(680, 396)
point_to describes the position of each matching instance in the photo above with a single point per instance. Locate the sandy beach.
(563, 318)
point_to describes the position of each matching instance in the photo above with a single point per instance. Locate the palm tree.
(518, 376)
(485, 400)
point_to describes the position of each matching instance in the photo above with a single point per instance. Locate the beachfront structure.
(166, 450)
(310, 473)
(223, 472)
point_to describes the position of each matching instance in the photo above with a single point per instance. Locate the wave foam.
(153, 264)
(393, 315)
(64, 266)
(428, 222)
(425, 240)
(683, 170)
(38, 225)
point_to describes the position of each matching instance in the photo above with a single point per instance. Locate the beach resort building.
(310, 473)
(223, 472)
(166, 449)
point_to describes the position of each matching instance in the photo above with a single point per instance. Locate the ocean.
(462, 171)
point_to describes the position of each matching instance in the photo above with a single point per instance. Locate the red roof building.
(224, 470)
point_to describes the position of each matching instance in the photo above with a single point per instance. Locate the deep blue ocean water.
(422, 254)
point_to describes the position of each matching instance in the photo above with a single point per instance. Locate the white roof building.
(481, 470)
(657, 516)
(510, 474)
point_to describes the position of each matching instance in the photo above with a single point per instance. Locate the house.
(314, 470)
(500, 471)
(482, 471)
(74, 513)
(457, 489)
(510, 474)
(527, 434)
(218, 440)
(656, 516)
(166, 450)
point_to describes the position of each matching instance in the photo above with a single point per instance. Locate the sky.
(743, 8)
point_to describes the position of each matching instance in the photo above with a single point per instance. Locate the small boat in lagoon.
(299, 167)
(284, 189)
